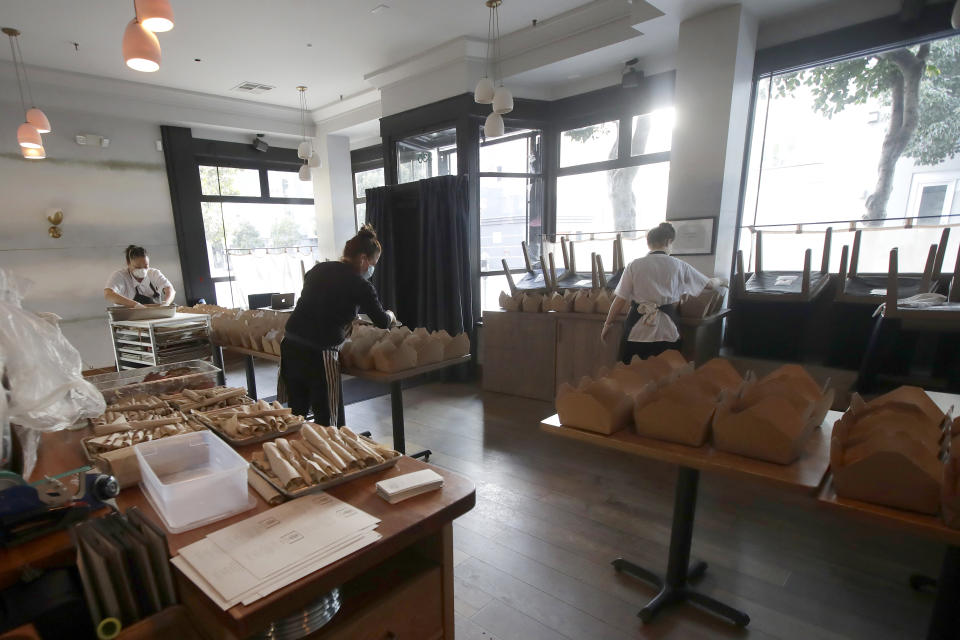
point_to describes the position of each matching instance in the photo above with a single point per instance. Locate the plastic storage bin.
(193, 479)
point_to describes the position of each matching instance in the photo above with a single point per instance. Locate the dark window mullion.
(264, 184)
(606, 165)
(625, 134)
(495, 174)
(254, 200)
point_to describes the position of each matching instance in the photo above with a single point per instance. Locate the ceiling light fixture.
(305, 148)
(141, 49)
(632, 77)
(35, 120)
(486, 91)
(33, 153)
(493, 126)
(155, 15)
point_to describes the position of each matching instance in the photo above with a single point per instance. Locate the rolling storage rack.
(149, 343)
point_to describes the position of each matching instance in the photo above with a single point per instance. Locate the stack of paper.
(399, 488)
(251, 559)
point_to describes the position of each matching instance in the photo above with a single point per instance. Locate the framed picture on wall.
(695, 237)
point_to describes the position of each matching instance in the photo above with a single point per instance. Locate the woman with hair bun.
(652, 286)
(333, 293)
(137, 284)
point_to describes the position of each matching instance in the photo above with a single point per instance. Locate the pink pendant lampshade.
(141, 49)
(39, 120)
(155, 15)
(29, 137)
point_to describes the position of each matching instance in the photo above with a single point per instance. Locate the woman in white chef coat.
(652, 286)
(138, 284)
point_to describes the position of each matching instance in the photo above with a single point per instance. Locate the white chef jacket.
(123, 283)
(652, 281)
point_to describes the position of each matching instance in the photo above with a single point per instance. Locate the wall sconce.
(55, 219)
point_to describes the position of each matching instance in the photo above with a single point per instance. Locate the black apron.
(142, 299)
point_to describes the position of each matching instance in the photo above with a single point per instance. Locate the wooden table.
(413, 557)
(945, 618)
(804, 475)
(395, 380)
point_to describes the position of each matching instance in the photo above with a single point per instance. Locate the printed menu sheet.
(252, 558)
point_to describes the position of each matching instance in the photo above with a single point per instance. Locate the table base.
(674, 587)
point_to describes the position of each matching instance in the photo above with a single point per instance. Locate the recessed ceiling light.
(379, 8)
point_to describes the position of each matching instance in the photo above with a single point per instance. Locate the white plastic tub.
(192, 479)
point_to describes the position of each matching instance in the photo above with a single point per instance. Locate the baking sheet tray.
(124, 383)
(240, 442)
(119, 314)
(94, 457)
(323, 486)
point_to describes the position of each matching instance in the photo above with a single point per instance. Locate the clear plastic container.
(192, 479)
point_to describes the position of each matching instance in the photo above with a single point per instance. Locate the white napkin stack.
(393, 490)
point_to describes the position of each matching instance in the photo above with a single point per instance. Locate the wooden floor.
(533, 557)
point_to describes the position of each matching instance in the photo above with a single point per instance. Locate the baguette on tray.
(319, 455)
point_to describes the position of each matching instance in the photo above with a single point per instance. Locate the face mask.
(139, 273)
(368, 273)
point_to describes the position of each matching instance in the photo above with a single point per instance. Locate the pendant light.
(141, 49)
(305, 148)
(155, 15)
(31, 153)
(487, 92)
(483, 94)
(502, 100)
(493, 126)
(35, 121)
(29, 137)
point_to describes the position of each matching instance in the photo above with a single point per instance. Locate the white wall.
(712, 101)
(110, 198)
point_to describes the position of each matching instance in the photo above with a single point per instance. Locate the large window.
(364, 179)
(511, 206)
(259, 225)
(427, 155)
(835, 145)
(614, 175)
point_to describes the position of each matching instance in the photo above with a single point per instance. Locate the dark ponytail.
(365, 243)
(132, 252)
(661, 235)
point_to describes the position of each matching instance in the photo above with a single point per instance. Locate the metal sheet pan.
(323, 486)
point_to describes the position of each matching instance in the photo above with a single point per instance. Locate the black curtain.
(424, 272)
(379, 214)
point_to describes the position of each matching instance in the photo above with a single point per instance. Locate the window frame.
(496, 174)
(361, 160)
(262, 199)
(441, 155)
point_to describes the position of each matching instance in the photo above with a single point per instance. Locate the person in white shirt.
(138, 284)
(652, 286)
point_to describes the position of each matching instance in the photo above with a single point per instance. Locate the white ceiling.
(780, 20)
(257, 40)
(267, 42)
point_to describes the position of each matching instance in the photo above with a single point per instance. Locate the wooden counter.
(414, 554)
(560, 347)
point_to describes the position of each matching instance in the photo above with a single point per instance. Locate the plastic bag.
(46, 390)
